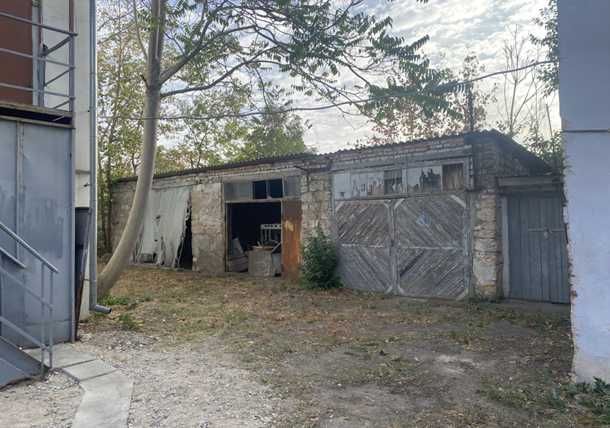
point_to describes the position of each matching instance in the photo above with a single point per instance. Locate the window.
(238, 191)
(392, 181)
(453, 176)
(292, 186)
(276, 189)
(259, 189)
(425, 179)
(367, 184)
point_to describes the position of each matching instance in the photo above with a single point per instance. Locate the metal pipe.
(23, 88)
(39, 58)
(93, 305)
(37, 24)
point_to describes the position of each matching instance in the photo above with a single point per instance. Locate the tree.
(120, 91)
(273, 134)
(211, 142)
(549, 42)
(519, 87)
(463, 108)
(216, 41)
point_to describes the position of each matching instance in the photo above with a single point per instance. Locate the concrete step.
(16, 364)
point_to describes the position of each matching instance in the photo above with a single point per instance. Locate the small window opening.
(276, 189)
(392, 181)
(259, 188)
(453, 176)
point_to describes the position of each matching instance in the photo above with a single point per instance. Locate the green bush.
(319, 262)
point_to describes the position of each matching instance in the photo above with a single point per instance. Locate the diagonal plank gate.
(413, 246)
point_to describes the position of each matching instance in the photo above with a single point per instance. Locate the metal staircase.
(15, 363)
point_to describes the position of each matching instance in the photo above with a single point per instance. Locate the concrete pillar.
(584, 36)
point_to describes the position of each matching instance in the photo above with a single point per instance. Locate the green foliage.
(549, 42)
(111, 300)
(595, 397)
(274, 134)
(548, 149)
(431, 106)
(320, 262)
(128, 322)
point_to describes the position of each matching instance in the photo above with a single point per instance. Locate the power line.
(440, 89)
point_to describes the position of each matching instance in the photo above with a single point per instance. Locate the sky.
(456, 28)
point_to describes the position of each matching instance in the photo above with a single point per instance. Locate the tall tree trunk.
(122, 254)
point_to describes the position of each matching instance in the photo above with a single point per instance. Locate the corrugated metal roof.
(494, 134)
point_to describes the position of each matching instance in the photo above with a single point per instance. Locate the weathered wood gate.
(537, 256)
(412, 246)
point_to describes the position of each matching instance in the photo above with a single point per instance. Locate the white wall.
(55, 13)
(585, 111)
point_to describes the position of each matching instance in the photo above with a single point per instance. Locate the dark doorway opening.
(254, 238)
(185, 260)
(245, 220)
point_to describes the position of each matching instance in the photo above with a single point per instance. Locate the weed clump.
(320, 262)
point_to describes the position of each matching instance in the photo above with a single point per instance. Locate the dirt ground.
(48, 403)
(242, 352)
(274, 354)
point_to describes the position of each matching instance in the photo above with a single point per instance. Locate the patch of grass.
(112, 300)
(127, 322)
(302, 341)
(517, 397)
(595, 397)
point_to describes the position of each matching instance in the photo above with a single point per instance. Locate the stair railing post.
(42, 319)
(51, 320)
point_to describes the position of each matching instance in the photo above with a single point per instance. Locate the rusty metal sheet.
(291, 239)
(16, 36)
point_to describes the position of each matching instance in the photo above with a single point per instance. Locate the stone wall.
(493, 157)
(316, 204)
(208, 228)
(486, 244)
(489, 154)
(122, 197)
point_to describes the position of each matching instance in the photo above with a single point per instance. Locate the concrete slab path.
(107, 397)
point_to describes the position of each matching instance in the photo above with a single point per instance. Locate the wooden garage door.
(430, 246)
(412, 246)
(538, 268)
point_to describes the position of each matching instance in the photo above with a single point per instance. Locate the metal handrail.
(25, 245)
(40, 57)
(37, 24)
(46, 304)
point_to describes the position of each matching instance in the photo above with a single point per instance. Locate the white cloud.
(455, 27)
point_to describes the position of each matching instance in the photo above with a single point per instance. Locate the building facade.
(47, 172)
(420, 219)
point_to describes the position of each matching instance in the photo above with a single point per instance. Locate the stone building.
(422, 218)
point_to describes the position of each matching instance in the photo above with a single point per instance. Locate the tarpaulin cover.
(164, 225)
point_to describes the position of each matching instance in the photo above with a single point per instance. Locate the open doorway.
(254, 230)
(185, 252)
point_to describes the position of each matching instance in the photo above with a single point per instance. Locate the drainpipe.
(93, 305)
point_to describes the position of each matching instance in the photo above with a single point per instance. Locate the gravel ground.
(50, 403)
(187, 385)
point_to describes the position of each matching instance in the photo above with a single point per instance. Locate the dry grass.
(421, 363)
